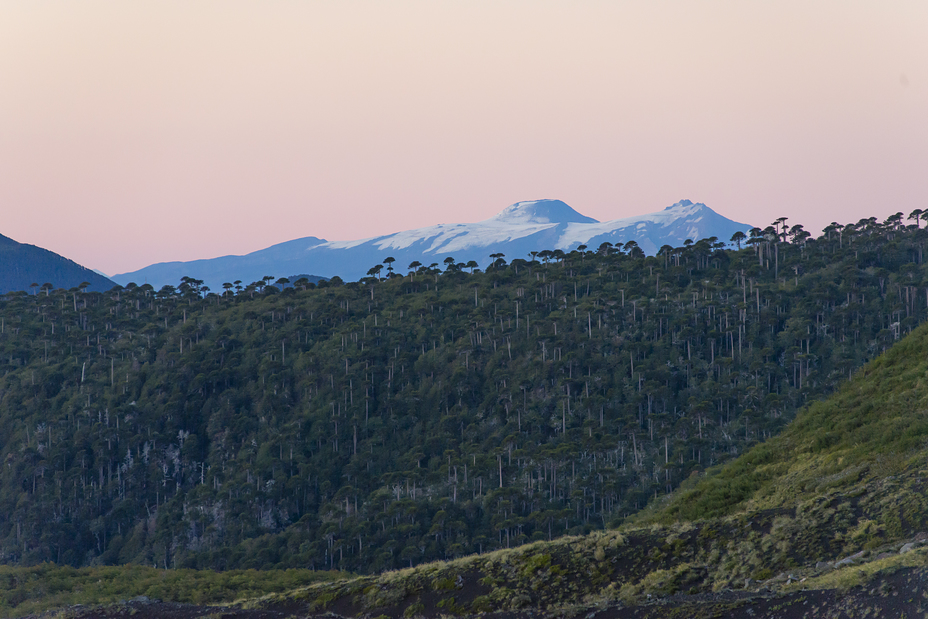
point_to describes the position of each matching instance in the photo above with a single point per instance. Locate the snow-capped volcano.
(540, 212)
(516, 231)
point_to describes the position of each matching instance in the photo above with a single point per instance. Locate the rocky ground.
(903, 593)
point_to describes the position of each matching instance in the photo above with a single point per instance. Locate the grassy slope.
(867, 441)
(37, 588)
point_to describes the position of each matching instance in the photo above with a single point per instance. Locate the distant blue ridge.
(521, 228)
(22, 265)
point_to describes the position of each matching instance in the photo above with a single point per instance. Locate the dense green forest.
(375, 424)
(825, 519)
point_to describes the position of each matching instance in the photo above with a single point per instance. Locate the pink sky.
(141, 132)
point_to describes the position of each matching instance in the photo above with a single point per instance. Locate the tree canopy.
(376, 424)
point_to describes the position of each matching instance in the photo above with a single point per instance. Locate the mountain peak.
(684, 204)
(542, 212)
(521, 228)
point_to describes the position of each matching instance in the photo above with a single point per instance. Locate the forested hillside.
(826, 519)
(382, 423)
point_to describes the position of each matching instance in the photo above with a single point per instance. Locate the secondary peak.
(542, 212)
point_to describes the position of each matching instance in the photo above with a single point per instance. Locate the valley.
(590, 427)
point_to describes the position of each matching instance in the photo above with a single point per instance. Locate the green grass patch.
(26, 590)
(874, 427)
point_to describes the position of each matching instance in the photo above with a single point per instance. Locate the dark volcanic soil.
(901, 594)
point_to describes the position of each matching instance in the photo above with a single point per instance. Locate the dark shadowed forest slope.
(27, 267)
(383, 423)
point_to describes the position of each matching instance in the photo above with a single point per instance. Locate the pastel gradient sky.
(136, 132)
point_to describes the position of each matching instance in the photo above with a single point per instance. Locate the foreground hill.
(832, 511)
(827, 519)
(516, 231)
(381, 424)
(27, 267)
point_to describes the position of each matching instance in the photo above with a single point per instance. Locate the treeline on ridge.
(377, 424)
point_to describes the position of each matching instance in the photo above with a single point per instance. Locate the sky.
(141, 132)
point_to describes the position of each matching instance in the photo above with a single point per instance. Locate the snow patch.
(520, 228)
